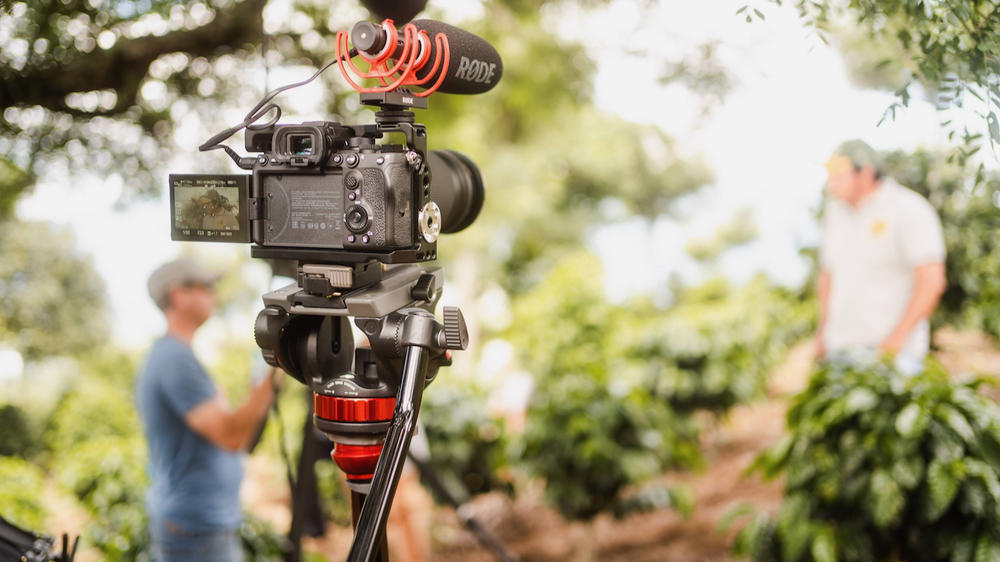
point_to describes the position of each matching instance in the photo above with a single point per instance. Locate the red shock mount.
(407, 60)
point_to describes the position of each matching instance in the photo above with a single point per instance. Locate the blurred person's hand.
(893, 344)
(261, 372)
(819, 349)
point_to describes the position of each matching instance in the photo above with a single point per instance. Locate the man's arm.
(823, 294)
(228, 429)
(927, 290)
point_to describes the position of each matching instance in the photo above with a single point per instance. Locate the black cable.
(262, 108)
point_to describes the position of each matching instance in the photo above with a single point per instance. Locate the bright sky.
(792, 104)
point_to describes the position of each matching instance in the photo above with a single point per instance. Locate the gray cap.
(177, 272)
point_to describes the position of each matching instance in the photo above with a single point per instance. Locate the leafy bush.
(19, 494)
(468, 445)
(92, 410)
(18, 433)
(52, 301)
(881, 466)
(335, 497)
(261, 542)
(590, 437)
(594, 428)
(108, 477)
(716, 347)
(617, 385)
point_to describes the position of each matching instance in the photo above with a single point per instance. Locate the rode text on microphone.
(350, 216)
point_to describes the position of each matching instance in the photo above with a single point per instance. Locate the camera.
(352, 212)
(325, 192)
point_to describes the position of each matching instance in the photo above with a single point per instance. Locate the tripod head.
(366, 399)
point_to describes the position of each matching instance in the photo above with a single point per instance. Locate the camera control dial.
(357, 219)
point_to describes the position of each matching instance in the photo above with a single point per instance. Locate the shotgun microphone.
(474, 65)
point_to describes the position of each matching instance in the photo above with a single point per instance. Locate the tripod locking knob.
(455, 333)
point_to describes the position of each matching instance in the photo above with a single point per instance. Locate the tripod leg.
(375, 511)
(357, 501)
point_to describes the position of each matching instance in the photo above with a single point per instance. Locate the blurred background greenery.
(614, 392)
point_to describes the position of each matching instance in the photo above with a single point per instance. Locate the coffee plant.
(716, 347)
(468, 445)
(617, 386)
(881, 466)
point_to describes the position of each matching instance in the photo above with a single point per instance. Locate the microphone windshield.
(474, 66)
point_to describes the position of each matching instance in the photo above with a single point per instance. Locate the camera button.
(351, 238)
(380, 160)
(352, 196)
(351, 160)
(338, 159)
(365, 239)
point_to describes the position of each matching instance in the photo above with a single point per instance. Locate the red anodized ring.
(357, 461)
(355, 410)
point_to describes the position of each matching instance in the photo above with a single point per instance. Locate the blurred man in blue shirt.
(195, 438)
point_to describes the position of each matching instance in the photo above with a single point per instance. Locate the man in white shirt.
(881, 263)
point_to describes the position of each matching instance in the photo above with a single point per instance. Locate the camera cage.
(394, 116)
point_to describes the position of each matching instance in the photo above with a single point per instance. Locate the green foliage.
(591, 436)
(617, 385)
(968, 203)
(881, 466)
(951, 47)
(92, 410)
(19, 495)
(468, 445)
(717, 345)
(593, 427)
(107, 476)
(18, 432)
(51, 299)
(66, 110)
(335, 497)
(13, 181)
(740, 230)
(261, 542)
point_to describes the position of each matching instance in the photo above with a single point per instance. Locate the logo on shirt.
(878, 228)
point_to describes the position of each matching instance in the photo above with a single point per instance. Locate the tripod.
(365, 399)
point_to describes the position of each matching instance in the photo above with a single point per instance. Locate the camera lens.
(300, 145)
(356, 218)
(457, 188)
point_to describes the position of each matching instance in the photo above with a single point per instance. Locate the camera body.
(320, 192)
